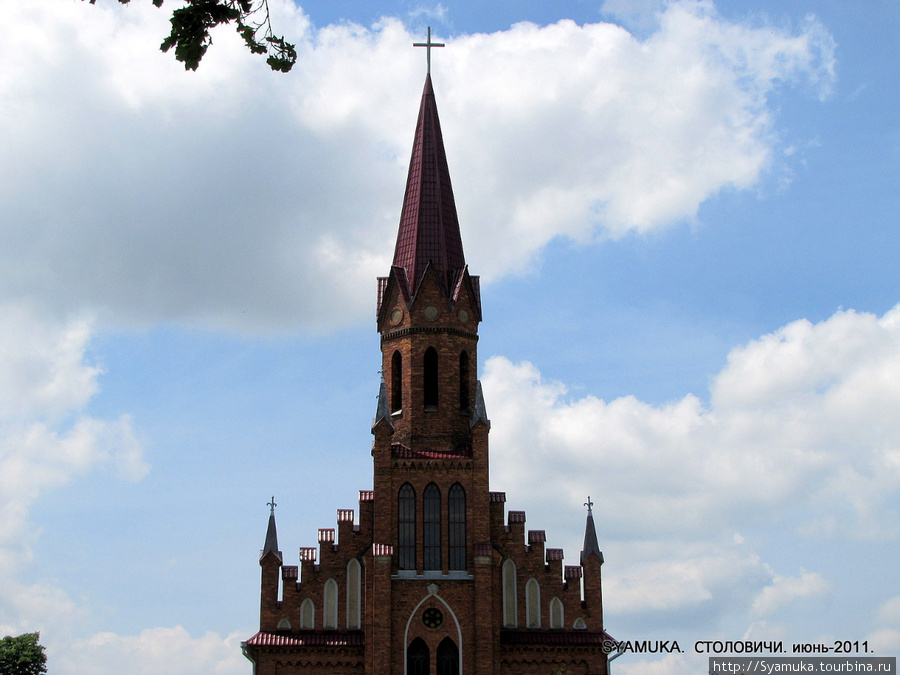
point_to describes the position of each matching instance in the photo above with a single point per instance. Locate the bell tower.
(429, 307)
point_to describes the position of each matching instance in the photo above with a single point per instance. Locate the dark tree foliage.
(22, 655)
(191, 25)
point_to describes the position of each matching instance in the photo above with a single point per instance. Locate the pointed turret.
(271, 545)
(382, 410)
(591, 546)
(591, 564)
(429, 228)
(270, 561)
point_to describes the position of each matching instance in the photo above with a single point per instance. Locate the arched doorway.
(418, 658)
(447, 658)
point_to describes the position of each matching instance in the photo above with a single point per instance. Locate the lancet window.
(533, 603)
(447, 658)
(432, 522)
(330, 604)
(353, 593)
(418, 658)
(557, 618)
(464, 381)
(396, 382)
(406, 527)
(456, 511)
(307, 615)
(430, 383)
(510, 602)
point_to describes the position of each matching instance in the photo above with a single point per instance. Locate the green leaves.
(191, 25)
(284, 55)
(22, 655)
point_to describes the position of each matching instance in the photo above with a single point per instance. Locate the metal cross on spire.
(589, 504)
(428, 44)
(272, 505)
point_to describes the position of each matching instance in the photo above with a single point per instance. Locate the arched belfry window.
(418, 658)
(464, 382)
(432, 522)
(406, 527)
(430, 382)
(447, 658)
(456, 510)
(396, 382)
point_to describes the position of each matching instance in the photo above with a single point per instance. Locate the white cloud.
(803, 417)
(46, 440)
(682, 578)
(156, 650)
(234, 197)
(799, 441)
(44, 376)
(890, 611)
(886, 638)
(785, 590)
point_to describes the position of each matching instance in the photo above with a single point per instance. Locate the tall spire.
(429, 228)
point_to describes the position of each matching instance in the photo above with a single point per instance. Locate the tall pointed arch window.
(464, 382)
(447, 658)
(396, 382)
(353, 593)
(430, 382)
(406, 527)
(533, 603)
(331, 604)
(432, 523)
(456, 512)
(418, 658)
(510, 601)
(557, 616)
(307, 615)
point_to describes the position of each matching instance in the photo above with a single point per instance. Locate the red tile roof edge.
(309, 639)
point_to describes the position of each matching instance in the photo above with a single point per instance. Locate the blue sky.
(685, 219)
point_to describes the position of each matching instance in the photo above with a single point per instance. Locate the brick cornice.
(412, 330)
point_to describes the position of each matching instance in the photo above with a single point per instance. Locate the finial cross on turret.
(428, 44)
(272, 505)
(589, 504)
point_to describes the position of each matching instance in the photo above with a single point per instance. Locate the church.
(432, 574)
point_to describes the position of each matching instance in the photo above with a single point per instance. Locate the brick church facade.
(434, 576)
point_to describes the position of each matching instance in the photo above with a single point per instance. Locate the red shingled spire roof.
(429, 228)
